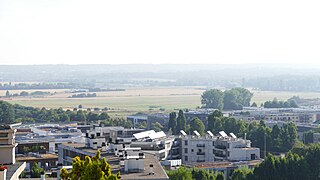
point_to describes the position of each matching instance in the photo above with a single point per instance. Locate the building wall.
(7, 155)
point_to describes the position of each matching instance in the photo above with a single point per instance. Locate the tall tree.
(6, 113)
(181, 121)
(173, 123)
(212, 98)
(197, 125)
(210, 122)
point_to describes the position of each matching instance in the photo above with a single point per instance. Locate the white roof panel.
(210, 133)
(144, 134)
(157, 135)
(196, 133)
(232, 135)
(223, 134)
(183, 133)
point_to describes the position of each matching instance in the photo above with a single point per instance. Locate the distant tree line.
(294, 166)
(233, 99)
(194, 174)
(17, 113)
(25, 93)
(83, 95)
(20, 86)
(290, 103)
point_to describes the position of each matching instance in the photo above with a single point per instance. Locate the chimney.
(43, 176)
(151, 169)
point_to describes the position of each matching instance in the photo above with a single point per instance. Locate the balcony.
(220, 147)
(201, 145)
(220, 155)
(201, 153)
(201, 160)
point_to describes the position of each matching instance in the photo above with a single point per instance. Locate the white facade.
(209, 149)
(7, 145)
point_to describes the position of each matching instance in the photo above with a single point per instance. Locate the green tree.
(36, 171)
(90, 168)
(211, 122)
(157, 126)
(173, 123)
(7, 93)
(6, 113)
(181, 121)
(24, 93)
(80, 116)
(241, 173)
(180, 174)
(254, 104)
(212, 98)
(197, 125)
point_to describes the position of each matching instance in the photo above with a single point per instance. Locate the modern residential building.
(195, 149)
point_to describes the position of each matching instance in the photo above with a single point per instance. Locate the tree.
(180, 174)
(24, 93)
(197, 125)
(212, 98)
(80, 106)
(90, 168)
(236, 98)
(36, 171)
(220, 176)
(81, 116)
(210, 122)
(157, 126)
(241, 174)
(254, 104)
(173, 123)
(7, 93)
(6, 113)
(181, 121)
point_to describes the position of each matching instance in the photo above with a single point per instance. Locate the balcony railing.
(220, 155)
(220, 147)
(201, 153)
(201, 145)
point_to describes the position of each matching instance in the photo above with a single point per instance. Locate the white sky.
(163, 31)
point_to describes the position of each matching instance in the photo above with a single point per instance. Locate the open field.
(141, 99)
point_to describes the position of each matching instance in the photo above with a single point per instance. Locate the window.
(186, 143)
(98, 134)
(4, 135)
(253, 156)
(191, 150)
(212, 143)
(186, 158)
(185, 150)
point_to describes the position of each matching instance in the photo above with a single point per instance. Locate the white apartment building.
(195, 149)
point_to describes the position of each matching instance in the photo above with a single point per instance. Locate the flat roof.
(32, 158)
(225, 164)
(159, 172)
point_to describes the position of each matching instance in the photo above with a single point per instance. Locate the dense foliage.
(290, 103)
(16, 113)
(197, 125)
(233, 99)
(305, 165)
(177, 123)
(90, 168)
(194, 174)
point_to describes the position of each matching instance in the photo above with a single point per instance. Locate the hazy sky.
(163, 31)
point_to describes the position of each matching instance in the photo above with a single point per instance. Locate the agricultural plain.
(134, 100)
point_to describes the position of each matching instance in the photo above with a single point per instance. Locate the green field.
(144, 99)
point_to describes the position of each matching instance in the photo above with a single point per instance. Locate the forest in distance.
(282, 78)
